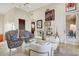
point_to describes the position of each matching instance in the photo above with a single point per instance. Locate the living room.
(45, 23)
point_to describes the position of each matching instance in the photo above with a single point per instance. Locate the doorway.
(21, 27)
(71, 25)
(21, 24)
(32, 27)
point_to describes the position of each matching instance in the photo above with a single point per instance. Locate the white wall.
(23, 15)
(8, 19)
(1, 24)
(59, 16)
(77, 22)
(3, 45)
(13, 16)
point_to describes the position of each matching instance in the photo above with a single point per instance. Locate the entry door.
(21, 24)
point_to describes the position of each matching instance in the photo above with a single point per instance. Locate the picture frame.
(70, 7)
(32, 27)
(39, 32)
(49, 33)
(50, 15)
(47, 23)
(39, 24)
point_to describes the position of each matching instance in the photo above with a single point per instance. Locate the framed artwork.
(50, 15)
(47, 23)
(70, 7)
(32, 27)
(49, 33)
(39, 24)
(39, 32)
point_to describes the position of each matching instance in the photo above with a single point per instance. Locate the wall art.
(50, 15)
(70, 7)
(39, 24)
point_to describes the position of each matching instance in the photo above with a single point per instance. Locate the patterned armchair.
(26, 34)
(12, 40)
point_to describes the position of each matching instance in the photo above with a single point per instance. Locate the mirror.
(32, 27)
(71, 26)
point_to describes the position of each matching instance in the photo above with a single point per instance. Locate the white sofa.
(44, 48)
(40, 49)
(54, 42)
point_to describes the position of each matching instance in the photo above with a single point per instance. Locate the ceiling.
(4, 7)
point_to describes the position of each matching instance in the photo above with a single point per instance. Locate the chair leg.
(29, 52)
(10, 52)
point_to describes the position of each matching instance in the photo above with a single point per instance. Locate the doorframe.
(18, 24)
